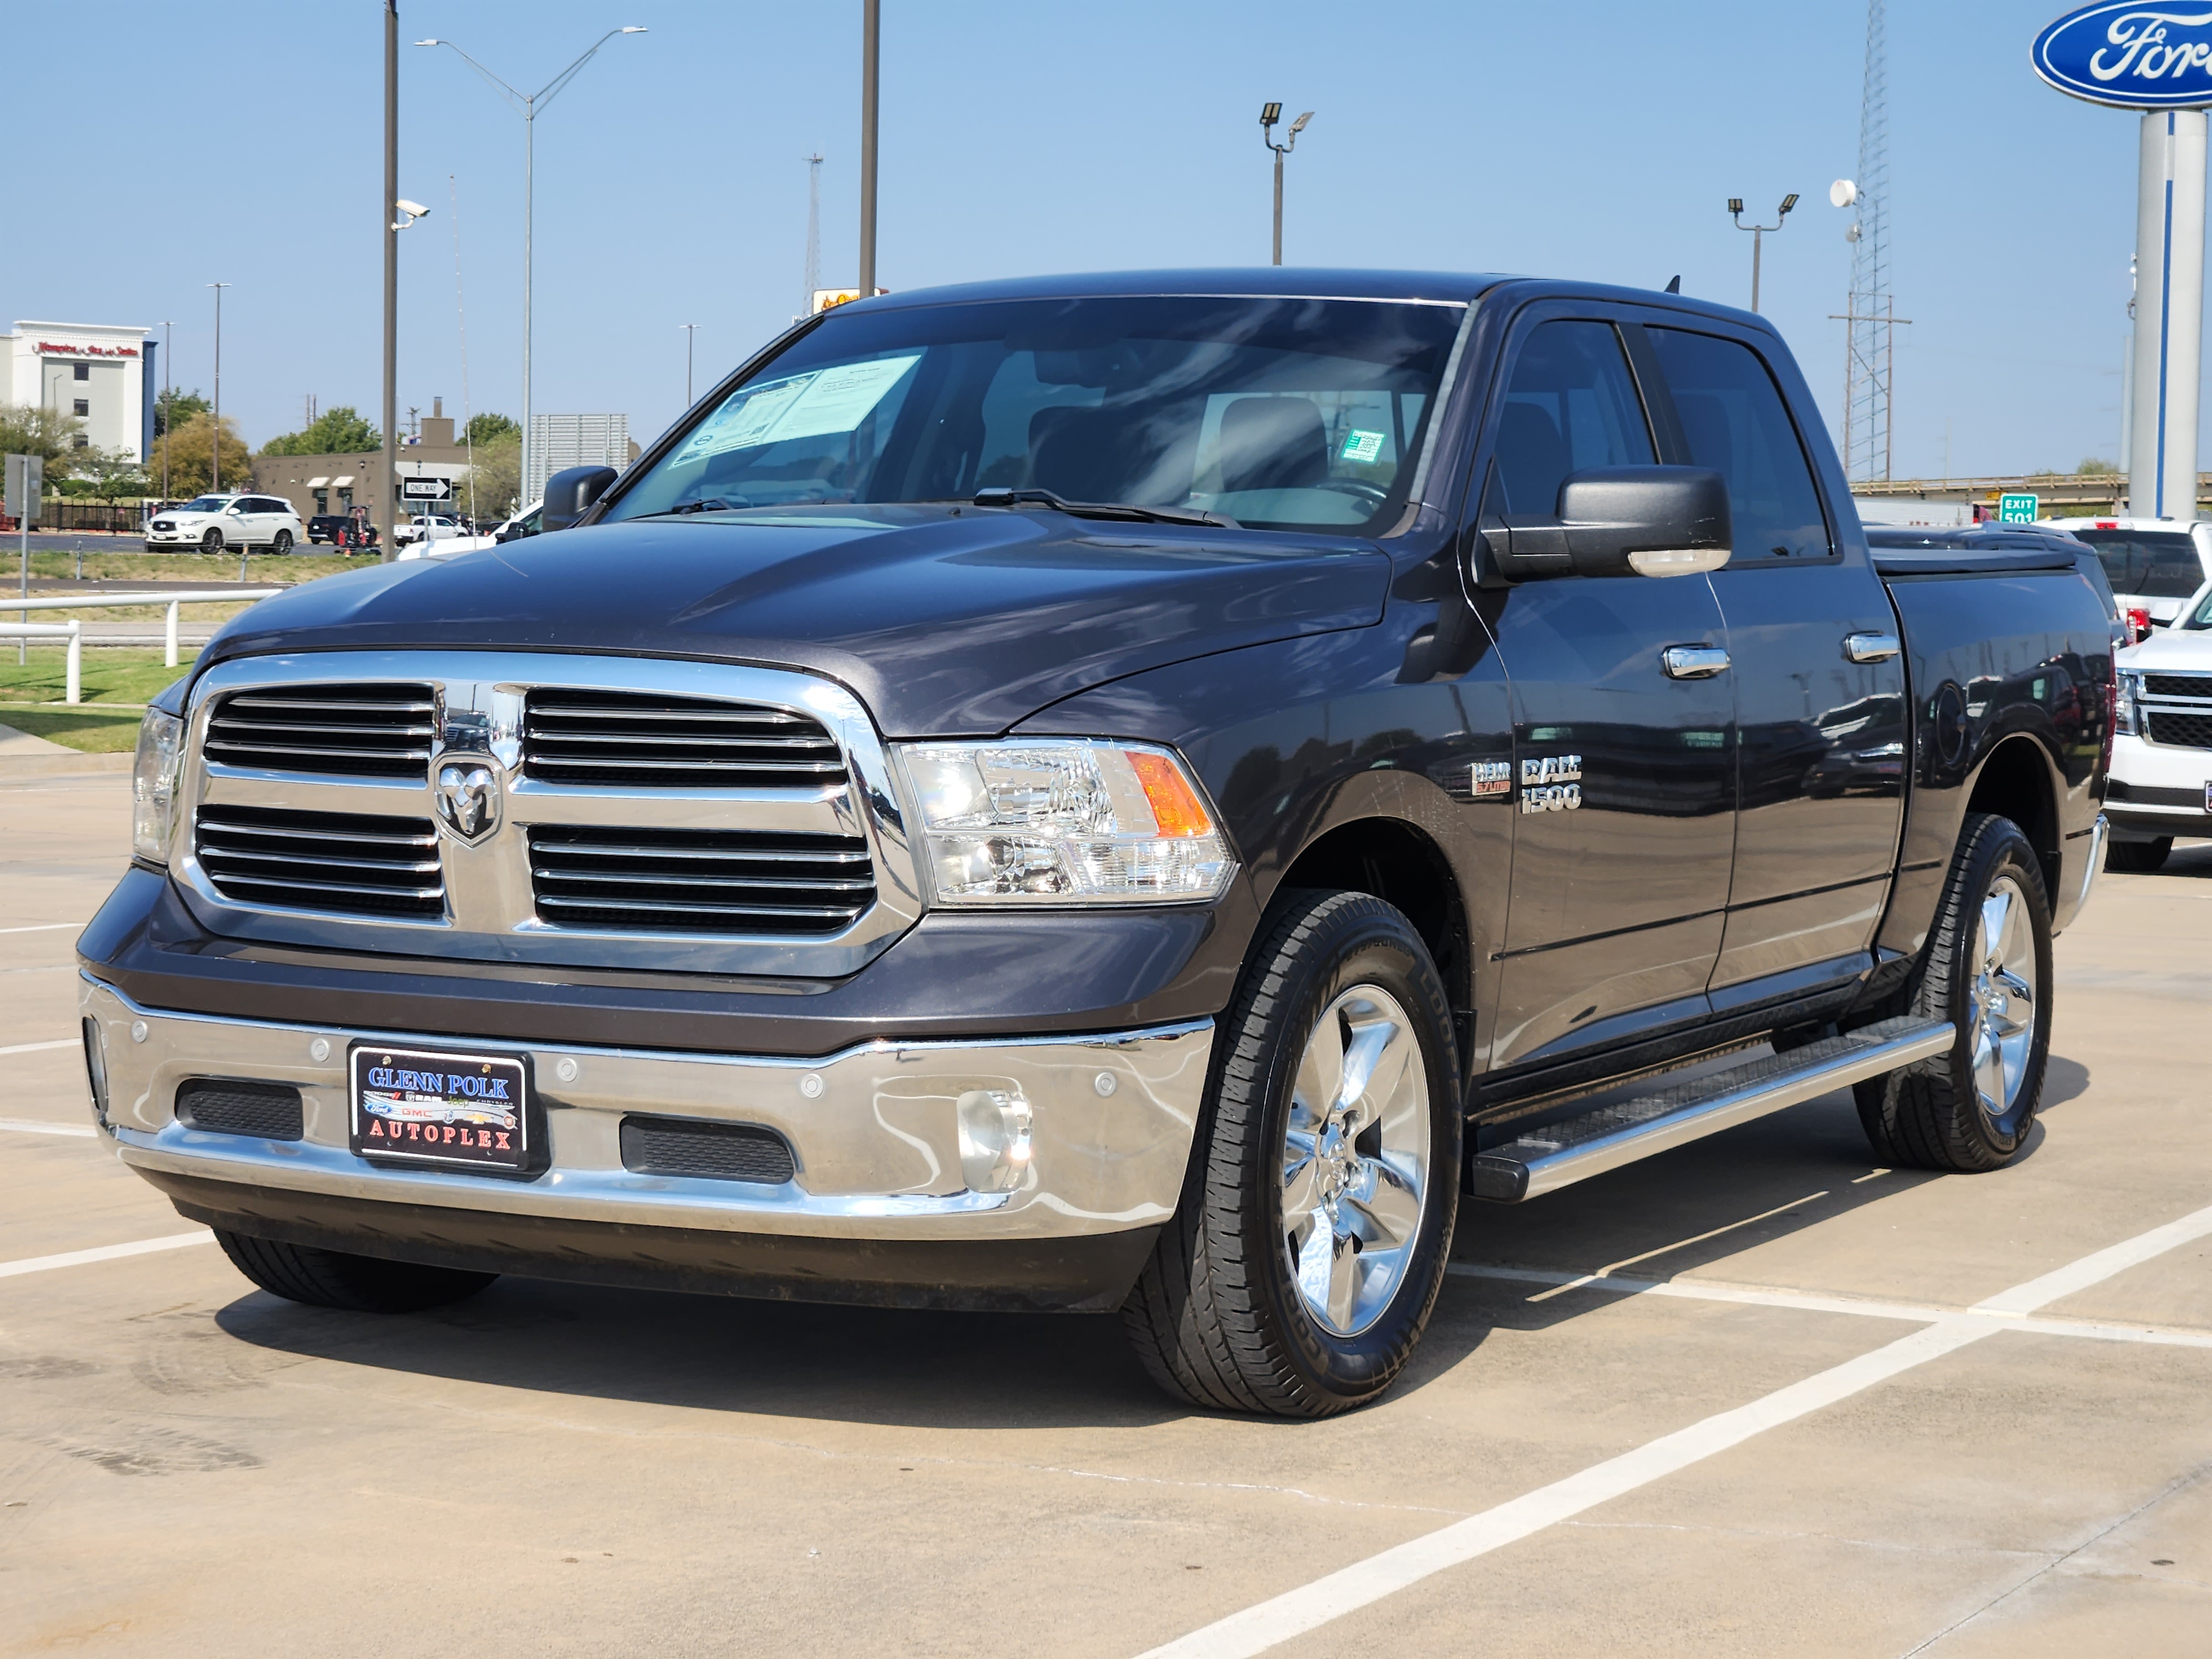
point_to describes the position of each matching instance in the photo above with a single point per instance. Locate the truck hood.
(2178, 648)
(946, 622)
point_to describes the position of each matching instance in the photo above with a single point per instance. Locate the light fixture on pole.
(691, 334)
(1269, 114)
(529, 104)
(1759, 233)
(215, 438)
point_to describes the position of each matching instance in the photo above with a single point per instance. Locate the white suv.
(2160, 785)
(211, 524)
(2153, 564)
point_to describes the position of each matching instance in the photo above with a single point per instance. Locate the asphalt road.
(1756, 1396)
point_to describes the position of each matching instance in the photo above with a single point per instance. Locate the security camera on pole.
(2158, 60)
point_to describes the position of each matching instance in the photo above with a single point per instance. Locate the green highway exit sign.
(2015, 509)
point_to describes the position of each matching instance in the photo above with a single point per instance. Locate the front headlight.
(153, 785)
(2126, 719)
(1063, 821)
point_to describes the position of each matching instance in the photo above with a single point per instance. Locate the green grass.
(128, 562)
(133, 678)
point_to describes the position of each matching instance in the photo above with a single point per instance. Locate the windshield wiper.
(1128, 511)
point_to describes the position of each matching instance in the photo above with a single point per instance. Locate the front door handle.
(1693, 662)
(1871, 648)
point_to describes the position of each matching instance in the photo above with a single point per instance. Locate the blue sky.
(1594, 140)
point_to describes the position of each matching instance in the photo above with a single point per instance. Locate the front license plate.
(434, 1106)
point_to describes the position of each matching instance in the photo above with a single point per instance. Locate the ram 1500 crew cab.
(1128, 794)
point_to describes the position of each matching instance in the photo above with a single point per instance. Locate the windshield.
(1288, 414)
(2200, 615)
(205, 504)
(2148, 564)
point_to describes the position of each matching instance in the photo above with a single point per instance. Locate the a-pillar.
(2169, 312)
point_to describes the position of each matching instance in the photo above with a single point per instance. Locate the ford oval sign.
(2134, 56)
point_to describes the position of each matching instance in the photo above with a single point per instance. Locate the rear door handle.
(1871, 648)
(1693, 662)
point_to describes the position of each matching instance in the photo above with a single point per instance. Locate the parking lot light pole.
(388, 508)
(168, 404)
(1758, 234)
(214, 444)
(691, 334)
(1269, 114)
(529, 104)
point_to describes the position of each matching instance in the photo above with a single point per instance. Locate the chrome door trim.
(491, 914)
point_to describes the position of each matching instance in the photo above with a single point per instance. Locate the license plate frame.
(474, 1109)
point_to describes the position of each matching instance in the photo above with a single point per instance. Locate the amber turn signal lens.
(1174, 808)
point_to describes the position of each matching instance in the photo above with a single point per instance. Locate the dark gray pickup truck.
(1134, 793)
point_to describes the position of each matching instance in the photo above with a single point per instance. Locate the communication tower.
(1871, 311)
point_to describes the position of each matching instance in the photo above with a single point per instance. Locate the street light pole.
(529, 104)
(388, 509)
(215, 442)
(1758, 234)
(1269, 114)
(871, 33)
(690, 333)
(169, 402)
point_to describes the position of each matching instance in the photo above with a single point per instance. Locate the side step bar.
(1561, 1153)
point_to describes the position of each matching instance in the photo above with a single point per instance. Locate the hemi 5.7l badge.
(1552, 783)
(1491, 779)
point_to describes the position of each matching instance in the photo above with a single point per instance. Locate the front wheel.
(1987, 971)
(211, 542)
(337, 1279)
(1307, 1252)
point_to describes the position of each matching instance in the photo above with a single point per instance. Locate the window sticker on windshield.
(801, 406)
(1361, 446)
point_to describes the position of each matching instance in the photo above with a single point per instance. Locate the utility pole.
(691, 334)
(1759, 233)
(870, 31)
(813, 233)
(1269, 114)
(214, 442)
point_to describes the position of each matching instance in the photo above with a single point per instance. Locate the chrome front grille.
(350, 863)
(2177, 730)
(545, 808)
(623, 738)
(700, 881)
(2194, 687)
(357, 730)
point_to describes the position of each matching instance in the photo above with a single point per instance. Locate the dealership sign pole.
(2157, 59)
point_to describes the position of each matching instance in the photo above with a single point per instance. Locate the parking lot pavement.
(1733, 1400)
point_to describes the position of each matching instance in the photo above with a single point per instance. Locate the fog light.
(994, 1139)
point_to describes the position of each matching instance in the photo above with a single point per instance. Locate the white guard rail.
(197, 596)
(71, 630)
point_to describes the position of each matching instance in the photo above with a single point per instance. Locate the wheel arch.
(2017, 780)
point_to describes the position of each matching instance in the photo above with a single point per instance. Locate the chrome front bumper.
(885, 1135)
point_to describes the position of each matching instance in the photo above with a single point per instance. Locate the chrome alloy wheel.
(1355, 1160)
(2001, 1014)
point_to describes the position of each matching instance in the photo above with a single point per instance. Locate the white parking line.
(42, 928)
(31, 1126)
(1295, 1613)
(38, 1264)
(39, 1048)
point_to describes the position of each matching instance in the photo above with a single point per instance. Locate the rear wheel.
(334, 1279)
(1987, 970)
(282, 545)
(2138, 857)
(1309, 1245)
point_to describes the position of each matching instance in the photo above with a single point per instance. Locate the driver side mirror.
(570, 493)
(1618, 521)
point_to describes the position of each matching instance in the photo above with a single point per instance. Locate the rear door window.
(1735, 422)
(2148, 564)
(1570, 405)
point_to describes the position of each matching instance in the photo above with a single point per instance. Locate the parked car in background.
(211, 524)
(524, 523)
(2161, 779)
(2154, 565)
(429, 527)
(328, 527)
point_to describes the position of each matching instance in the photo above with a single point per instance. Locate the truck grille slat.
(375, 730)
(2179, 730)
(334, 861)
(628, 737)
(2197, 687)
(708, 881)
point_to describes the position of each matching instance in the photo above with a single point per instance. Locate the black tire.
(1217, 1317)
(2138, 857)
(211, 540)
(1933, 1114)
(282, 545)
(357, 1284)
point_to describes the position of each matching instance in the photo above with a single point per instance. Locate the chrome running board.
(1559, 1154)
